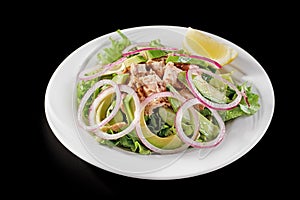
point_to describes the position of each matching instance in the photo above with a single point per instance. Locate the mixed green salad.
(148, 98)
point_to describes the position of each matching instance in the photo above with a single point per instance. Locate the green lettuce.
(159, 126)
(114, 52)
(82, 88)
(128, 142)
(243, 109)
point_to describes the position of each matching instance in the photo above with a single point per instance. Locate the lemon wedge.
(199, 43)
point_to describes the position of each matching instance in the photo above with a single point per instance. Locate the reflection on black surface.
(68, 168)
(69, 171)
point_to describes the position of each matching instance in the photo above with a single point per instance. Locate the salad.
(149, 98)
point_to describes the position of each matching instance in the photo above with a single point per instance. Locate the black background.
(44, 167)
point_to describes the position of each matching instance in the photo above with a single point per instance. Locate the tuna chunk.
(145, 82)
(150, 78)
(157, 66)
(170, 74)
(151, 84)
(138, 69)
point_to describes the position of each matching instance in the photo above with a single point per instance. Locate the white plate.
(242, 134)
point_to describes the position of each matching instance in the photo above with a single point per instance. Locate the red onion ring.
(191, 141)
(101, 95)
(245, 97)
(107, 136)
(149, 48)
(82, 75)
(205, 101)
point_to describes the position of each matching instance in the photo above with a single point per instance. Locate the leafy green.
(128, 108)
(113, 53)
(126, 142)
(151, 54)
(133, 144)
(82, 88)
(159, 126)
(155, 43)
(120, 78)
(243, 109)
(161, 123)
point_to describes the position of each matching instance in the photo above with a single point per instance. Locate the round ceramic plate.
(242, 134)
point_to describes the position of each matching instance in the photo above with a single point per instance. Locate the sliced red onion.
(215, 63)
(144, 140)
(94, 104)
(107, 136)
(205, 101)
(191, 141)
(245, 97)
(149, 48)
(102, 69)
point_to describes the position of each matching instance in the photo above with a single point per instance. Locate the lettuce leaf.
(243, 109)
(133, 144)
(113, 53)
(127, 142)
(82, 88)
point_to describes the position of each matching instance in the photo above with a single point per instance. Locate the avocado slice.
(206, 89)
(118, 117)
(207, 128)
(120, 78)
(175, 103)
(151, 54)
(170, 142)
(103, 110)
(182, 78)
(209, 91)
(187, 60)
(103, 106)
(168, 116)
(129, 108)
(134, 59)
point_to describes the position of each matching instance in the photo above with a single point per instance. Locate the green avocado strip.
(169, 142)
